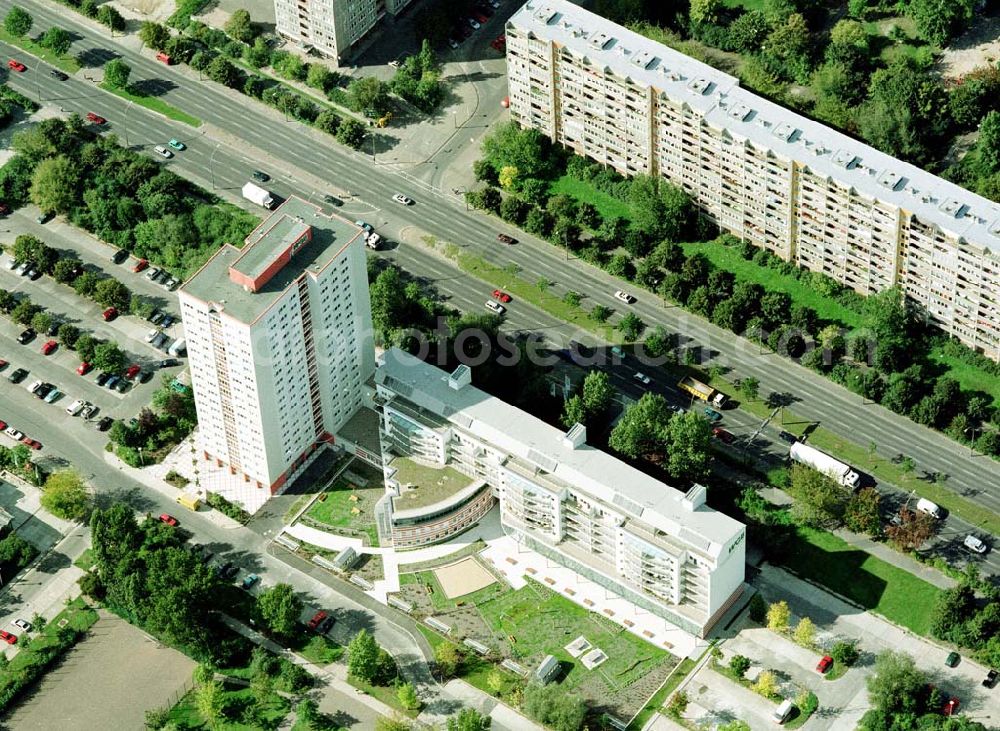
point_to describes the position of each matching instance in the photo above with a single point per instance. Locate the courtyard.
(347, 505)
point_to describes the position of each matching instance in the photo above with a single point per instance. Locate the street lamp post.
(211, 164)
(125, 121)
(372, 138)
(141, 463)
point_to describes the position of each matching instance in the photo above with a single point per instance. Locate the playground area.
(463, 577)
(347, 506)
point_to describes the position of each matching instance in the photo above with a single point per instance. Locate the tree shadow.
(152, 87)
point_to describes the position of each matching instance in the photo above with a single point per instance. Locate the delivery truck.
(843, 473)
(256, 194)
(703, 391)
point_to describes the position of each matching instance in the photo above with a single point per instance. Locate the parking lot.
(60, 366)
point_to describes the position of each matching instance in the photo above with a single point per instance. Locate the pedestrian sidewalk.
(900, 560)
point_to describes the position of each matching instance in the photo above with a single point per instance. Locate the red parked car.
(96, 119)
(84, 368)
(501, 295)
(132, 371)
(825, 663)
(110, 314)
(140, 265)
(169, 520)
(50, 346)
(33, 443)
(16, 66)
(723, 435)
(7, 637)
(317, 620)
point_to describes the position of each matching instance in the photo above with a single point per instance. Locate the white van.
(177, 348)
(926, 506)
(76, 407)
(781, 713)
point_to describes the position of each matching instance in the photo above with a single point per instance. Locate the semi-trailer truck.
(256, 194)
(821, 462)
(703, 391)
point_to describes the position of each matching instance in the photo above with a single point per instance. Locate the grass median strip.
(64, 62)
(897, 595)
(155, 104)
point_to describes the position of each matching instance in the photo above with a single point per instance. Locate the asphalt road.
(440, 214)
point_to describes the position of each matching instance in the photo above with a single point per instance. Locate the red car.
(3, 364)
(169, 520)
(84, 368)
(3, 424)
(501, 295)
(33, 443)
(95, 118)
(132, 371)
(50, 346)
(140, 265)
(16, 66)
(825, 663)
(110, 314)
(7, 637)
(316, 620)
(722, 434)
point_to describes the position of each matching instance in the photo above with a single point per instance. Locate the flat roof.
(330, 236)
(726, 105)
(531, 441)
(422, 486)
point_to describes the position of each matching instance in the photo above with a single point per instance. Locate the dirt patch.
(463, 577)
(979, 47)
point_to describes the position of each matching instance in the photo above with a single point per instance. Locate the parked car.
(505, 239)
(10, 639)
(975, 543)
(132, 371)
(713, 415)
(22, 624)
(140, 265)
(15, 65)
(119, 256)
(168, 363)
(169, 520)
(53, 328)
(624, 297)
(18, 375)
(249, 580)
(723, 435)
(33, 443)
(641, 378)
(317, 620)
(3, 364)
(400, 198)
(26, 336)
(76, 407)
(473, 23)
(34, 274)
(788, 437)
(177, 145)
(496, 307)
(57, 74)
(112, 381)
(500, 295)
(95, 118)
(159, 340)
(84, 368)
(333, 200)
(52, 395)
(167, 321)
(151, 335)
(49, 347)
(152, 274)
(88, 411)
(123, 385)
(110, 314)
(43, 390)
(824, 664)
(991, 678)
(103, 378)
(14, 433)
(105, 423)
(366, 226)
(952, 659)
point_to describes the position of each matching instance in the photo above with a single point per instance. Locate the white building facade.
(774, 178)
(279, 342)
(331, 27)
(661, 549)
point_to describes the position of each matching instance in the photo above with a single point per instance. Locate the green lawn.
(539, 622)
(968, 376)
(335, 508)
(155, 104)
(897, 595)
(384, 693)
(660, 697)
(608, 206)
(320, 651)
(729, 259)
(85, 560)
(67, 63)
(236, 698)
(442, 603)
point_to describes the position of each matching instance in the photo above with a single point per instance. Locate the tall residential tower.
(279, 342)
(331, 27)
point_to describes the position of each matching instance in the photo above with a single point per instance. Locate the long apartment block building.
(662, 549)
(331, 27)
(781, 181)
(279, 342)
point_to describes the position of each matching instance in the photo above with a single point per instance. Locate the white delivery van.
(178, 347)
(926, 506)
(781, 713)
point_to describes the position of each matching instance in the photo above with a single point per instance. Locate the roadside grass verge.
(66, 63)
(897, 595)
(969, 377)
(154, 104)
(728, 258)
(384, 693)
(85, 560)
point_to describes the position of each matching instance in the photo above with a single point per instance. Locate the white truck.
(256, 194)
(824, 463)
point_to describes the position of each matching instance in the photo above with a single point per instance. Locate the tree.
(17, 22)
(495, 681)
(631, 327)
(209, 701)
(362, 656)
(468, 719)
(507, 177)
(987, 161)
(911, 530)
(778, 615)
(240, 27)
(749, 387)
(597, 392)
(261, 688)
(396, 723)
(678, 704)
(525, 149)
(896, 685)
(688, 447)
(221, 70)
(705, 11)
(789, 40)
(845, 652)
(108, 357)
(407, 696)
(351, 133)
(600, 313)
(369, 95)
(86, 344)
(767, 684)
(643, 428)
(307, 713)
(157, 718)
(279, 608)
(154, 35)
(116, 73)
(447, 658)
(110, 292)
(109, 16)
(573, 411)
(54, 184)
(805, 632)
(739, 665)
(553, 706)
(819, 500)
(758, 607)
(56, 40)
(66, 495)
(749, 31)
(862, 514)
(41, 322)
(938, 21)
